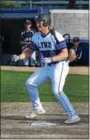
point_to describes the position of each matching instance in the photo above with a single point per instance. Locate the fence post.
(30, 3)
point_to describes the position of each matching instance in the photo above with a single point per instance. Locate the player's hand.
(47, 60)
(15, 58)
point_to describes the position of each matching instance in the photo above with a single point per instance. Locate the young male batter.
(53, 58)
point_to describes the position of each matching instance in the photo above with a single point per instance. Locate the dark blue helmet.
(45, 18)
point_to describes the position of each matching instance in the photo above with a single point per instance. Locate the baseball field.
(15, 104)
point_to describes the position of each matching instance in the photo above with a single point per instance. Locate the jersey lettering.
(45, 46)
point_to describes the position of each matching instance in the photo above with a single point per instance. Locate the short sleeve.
(62, 43)
(34, 42)
(33, 46)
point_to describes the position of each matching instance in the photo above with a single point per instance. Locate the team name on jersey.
(43, 46)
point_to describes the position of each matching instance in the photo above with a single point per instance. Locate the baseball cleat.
(35, 113)
(73, 119)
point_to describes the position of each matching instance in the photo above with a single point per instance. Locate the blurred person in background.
(26, 37)
(78, 50)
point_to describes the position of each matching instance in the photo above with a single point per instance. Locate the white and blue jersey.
(47, 46)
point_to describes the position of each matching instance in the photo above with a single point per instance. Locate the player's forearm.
(25, 54)
(61, 56)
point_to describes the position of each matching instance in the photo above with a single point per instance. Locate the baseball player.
(53, 58)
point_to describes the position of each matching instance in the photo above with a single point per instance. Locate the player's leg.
(32, 83)
(59, 76)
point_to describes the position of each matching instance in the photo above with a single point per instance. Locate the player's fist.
(47, 60)
(72, 55)
(14, 58)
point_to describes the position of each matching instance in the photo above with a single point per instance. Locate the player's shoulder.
(36, 35)
(59, 36)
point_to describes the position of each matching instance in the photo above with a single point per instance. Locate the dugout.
(12, 24)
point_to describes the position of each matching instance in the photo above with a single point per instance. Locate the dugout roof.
(14, 13)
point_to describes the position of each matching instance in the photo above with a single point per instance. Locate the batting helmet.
(45, 18)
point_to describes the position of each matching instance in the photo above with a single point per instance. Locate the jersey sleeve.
(62, 43)
(33, 46)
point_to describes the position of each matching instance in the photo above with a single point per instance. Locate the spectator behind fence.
(25, 40)
(76, 46)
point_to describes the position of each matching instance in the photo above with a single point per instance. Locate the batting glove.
(47, 60)
(15, 58)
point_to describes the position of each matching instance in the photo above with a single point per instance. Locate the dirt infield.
(73, 70)
(14, 125)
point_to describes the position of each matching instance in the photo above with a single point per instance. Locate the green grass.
(13, 88)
